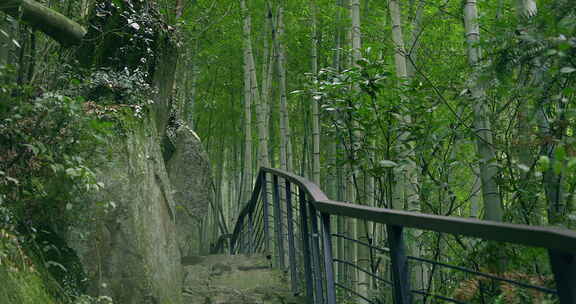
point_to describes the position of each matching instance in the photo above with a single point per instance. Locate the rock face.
(223, 279)
(190, 175)
(129, 249)
(143, 218)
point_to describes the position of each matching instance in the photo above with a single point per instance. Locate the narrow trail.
(235, 279)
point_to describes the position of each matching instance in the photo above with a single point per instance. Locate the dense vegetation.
(65, 105)
(458, 108)
(452, 107)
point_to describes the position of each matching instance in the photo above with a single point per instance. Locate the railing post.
(278, 222)
(251, 239)
(328, 261)
(231, 245)
(399, 266)
(319, 292)
(291, 248)
(564, 269)
(265, 213)
(241, 239)
(306, 246)
(245, 236)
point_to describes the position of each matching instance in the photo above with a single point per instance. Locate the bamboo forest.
(287, 151)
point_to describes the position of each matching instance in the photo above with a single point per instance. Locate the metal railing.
(293, 228)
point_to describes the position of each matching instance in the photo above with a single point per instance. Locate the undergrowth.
(50, 143)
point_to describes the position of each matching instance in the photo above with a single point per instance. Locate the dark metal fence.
(288, 219)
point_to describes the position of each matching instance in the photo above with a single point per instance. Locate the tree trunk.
(315, 109)
(414, 41)
(407, 175)
(248, 69)
(335, 177)
(179, 9)
(525, 151)
(263, 113)
(361, 253)
(285, 135)
(484, 143)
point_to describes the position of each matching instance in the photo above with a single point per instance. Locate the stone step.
(237, 279)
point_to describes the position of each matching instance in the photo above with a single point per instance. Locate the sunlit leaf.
(388, 164)
(566, 70)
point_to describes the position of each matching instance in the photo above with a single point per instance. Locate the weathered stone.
(129, 249)
(191, 179)
(223, 279)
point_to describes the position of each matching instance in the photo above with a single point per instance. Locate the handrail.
(246, 210)
(536, 236)
(561, 243)
(547, 237)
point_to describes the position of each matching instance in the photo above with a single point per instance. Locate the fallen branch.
(62, 29)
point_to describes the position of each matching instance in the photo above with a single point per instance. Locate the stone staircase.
(237, 279)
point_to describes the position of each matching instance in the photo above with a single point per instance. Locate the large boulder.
(191, 179)
(129, 249)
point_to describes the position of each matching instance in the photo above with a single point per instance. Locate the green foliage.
(86, 299)
(354, 101)
(23, 287)
(532, 74)
(125, 34)
(44, 169)
(51, 141)
(126, 87)
(28, 279)
(23, 280)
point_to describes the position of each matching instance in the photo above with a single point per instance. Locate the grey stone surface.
(191, 179)
(223, 279)
(129, 248)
